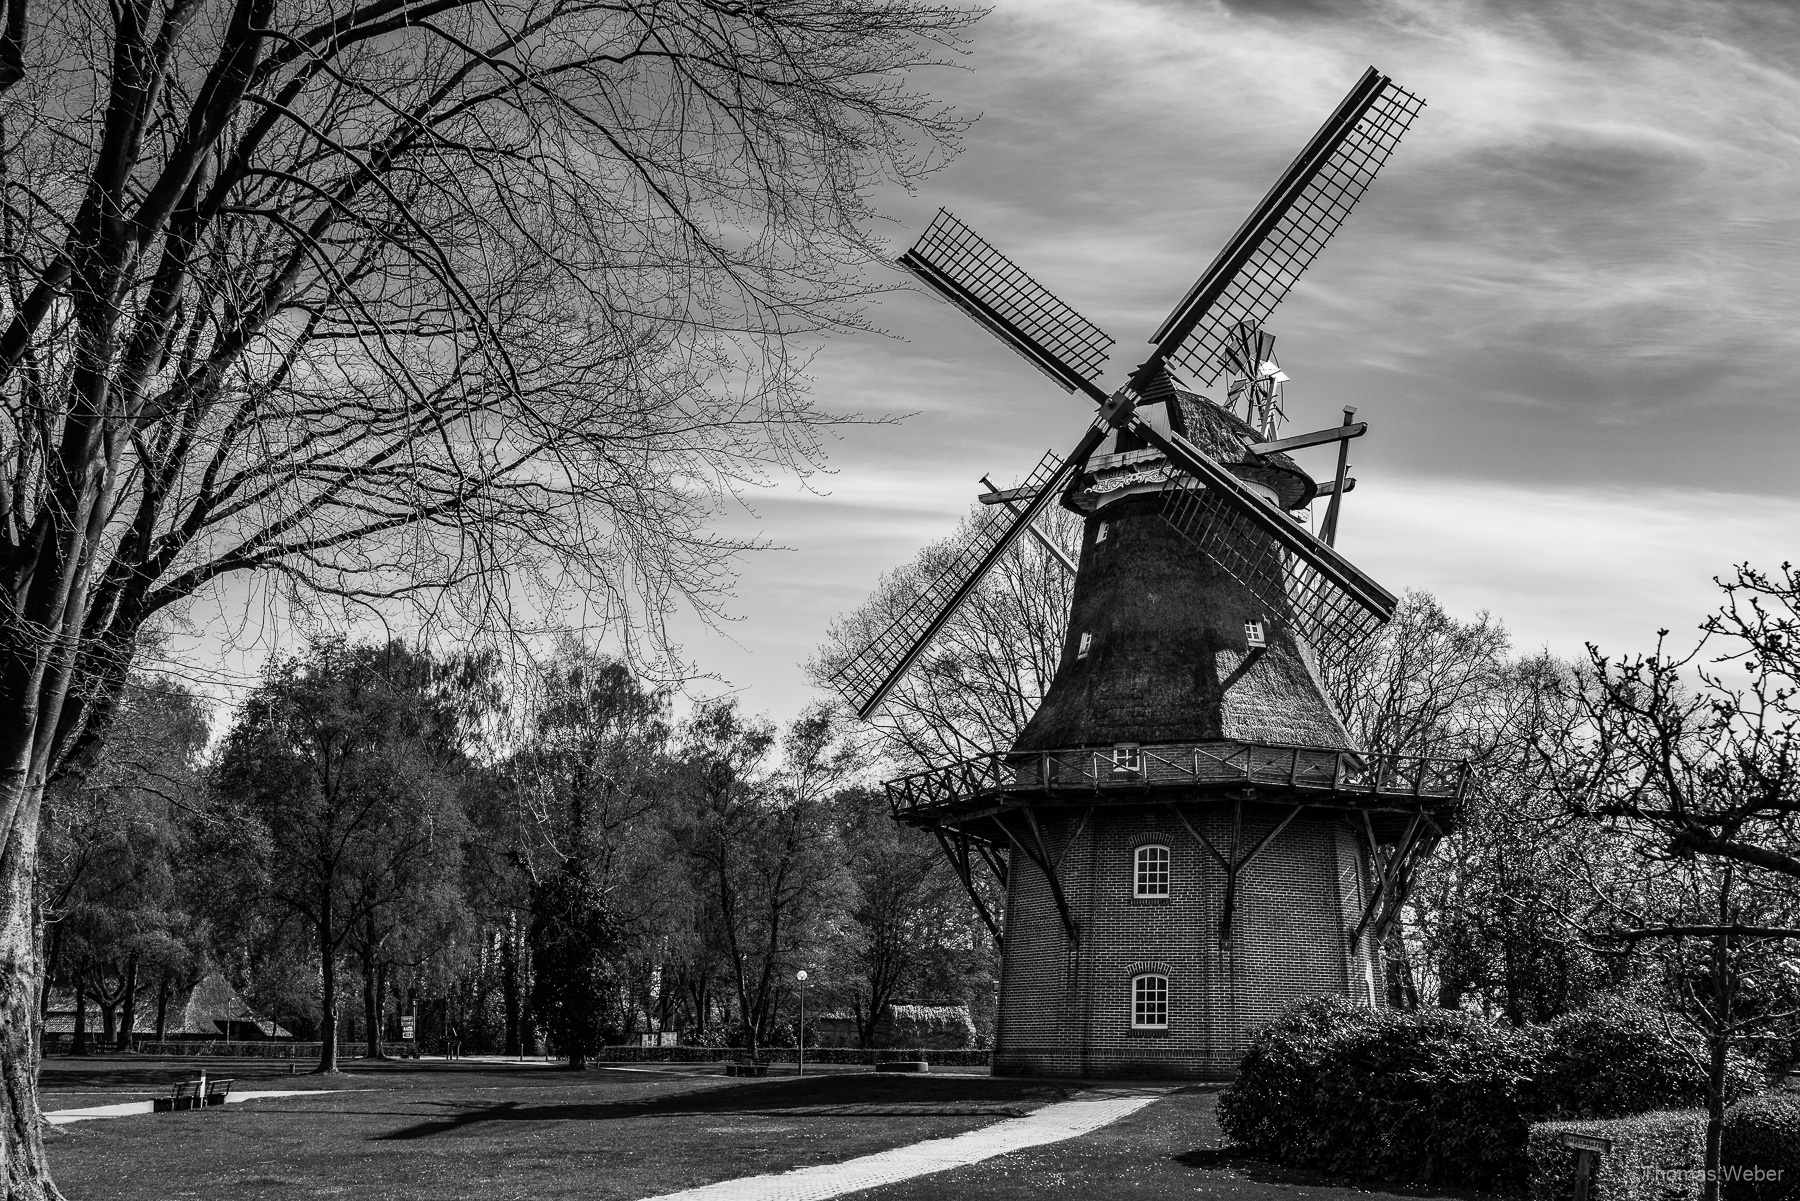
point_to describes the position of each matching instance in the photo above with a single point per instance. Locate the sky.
(1567, 307)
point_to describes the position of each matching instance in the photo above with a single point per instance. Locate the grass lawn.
(469, 1130)
(1166, 1150)
(488, 1131)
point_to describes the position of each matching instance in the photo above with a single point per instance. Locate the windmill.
(1189, 688)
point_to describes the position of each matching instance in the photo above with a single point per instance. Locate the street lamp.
(800, 1042)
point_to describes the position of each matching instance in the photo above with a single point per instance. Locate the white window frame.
(1127, 758)
(1149, 1001)
(1143, 884)
(1254, 634)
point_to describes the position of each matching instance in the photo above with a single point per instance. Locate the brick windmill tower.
(1187, 836)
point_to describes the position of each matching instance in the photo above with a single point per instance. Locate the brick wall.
(1065, 1009)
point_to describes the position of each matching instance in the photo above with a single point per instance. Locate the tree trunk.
(328, 999)
(128, 1021)
(371, 998)
(162, 1007)
(1718, 1040)
(109, 1011)
(509, 989)
(26, 1171)
(79, 1047)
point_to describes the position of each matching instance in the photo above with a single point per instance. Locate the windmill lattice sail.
(1289, 228)
(960, 265)
(1331, 621)
(866, 676)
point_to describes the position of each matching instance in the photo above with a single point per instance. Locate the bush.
(1618, 1058)
(1760, 1159)
(1445, 1097)
(947, 1026)
(1432, 1097)
(1654, 1157)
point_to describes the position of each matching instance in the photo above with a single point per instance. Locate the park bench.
(194, 1094)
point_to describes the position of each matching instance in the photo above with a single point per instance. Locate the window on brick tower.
(1152, 871)
(1150, 1003)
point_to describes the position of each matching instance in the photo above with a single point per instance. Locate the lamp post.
(800, 1041)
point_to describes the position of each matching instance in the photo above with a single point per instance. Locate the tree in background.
(425, 303)
(574, 947)
(343, 768)
(986, 672)
(115, 842)
(906, 931)
(1693, 779)
(760, 846)
(590, 778)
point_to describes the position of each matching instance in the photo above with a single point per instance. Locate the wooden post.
(1328, 530)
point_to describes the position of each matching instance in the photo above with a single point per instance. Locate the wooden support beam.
(958, 853)
(1040, 856)
(1383, 898)
(995, 496)
(1348, 430)
(1239, 859)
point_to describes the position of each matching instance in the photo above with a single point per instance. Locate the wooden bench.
(194, 1094)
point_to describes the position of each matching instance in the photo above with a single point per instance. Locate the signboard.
(1584, 1142)
(409, 1027)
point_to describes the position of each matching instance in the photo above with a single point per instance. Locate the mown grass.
(449, 1132)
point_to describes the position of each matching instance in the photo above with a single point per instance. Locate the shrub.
(1654, 1157)
(1444, 1097)
(1434, 1096)
(1618, 1058)
(946, 1026)
(1760, 1159)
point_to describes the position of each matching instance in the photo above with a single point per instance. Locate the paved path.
(1051, 1124)
(125, 1109)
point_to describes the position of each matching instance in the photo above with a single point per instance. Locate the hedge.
(1442, 1096)
(1432, 1097)
(1655, 1157)
(1760, 1160)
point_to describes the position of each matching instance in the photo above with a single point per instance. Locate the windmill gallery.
(1186, 837)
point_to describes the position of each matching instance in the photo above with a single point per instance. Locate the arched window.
(1152, 871)
(1149, 1002)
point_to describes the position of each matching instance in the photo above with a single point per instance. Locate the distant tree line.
(382, 831)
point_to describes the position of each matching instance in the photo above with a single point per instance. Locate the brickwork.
(1066, 1009)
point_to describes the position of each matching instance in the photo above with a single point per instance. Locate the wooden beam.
(1329, 487)
(1338, 433)
(1032, 529)
(1328, 529)
(1044, 865)
(959, 860)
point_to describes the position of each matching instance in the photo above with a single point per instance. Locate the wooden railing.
(1002, 774)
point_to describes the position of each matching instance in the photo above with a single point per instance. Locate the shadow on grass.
(1235, 1161)
(847, 1097)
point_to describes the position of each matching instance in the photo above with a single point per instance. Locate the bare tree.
(469, 305)
(986, 672)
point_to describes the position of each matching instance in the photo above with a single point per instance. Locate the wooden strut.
(1040, 855)
(1391, 881)
(958, 853)
(1236, 863)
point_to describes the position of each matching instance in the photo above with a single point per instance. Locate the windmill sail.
(1289, 228)
(866, 677)
(958, 264)
(1328, 618)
